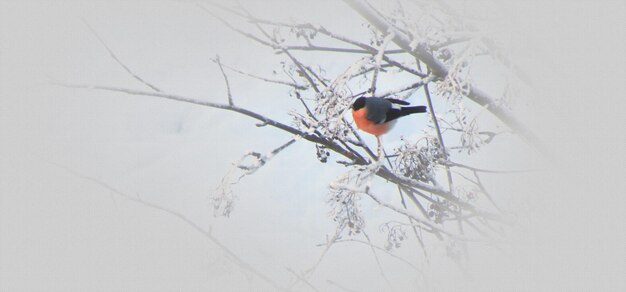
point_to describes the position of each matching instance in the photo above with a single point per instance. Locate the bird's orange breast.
(360, 118)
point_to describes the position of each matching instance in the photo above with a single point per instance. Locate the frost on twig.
(331, 103)
(457, 83)
(345, 195)
(440, 211)
(378, 58)
(440, 34)
(305, 123)
(334, 101)
(418, 160)
(251, 162)
(472, 139)
(395, 234)
(322, 153)
(467, 193)
(223, 198)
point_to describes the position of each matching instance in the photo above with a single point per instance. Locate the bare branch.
(415, 85)
(332, 35)
(282, 147)
(248, 35)
(302, 70)
(371, 49)
(117, 60)
(377, 60)
(450, 163)
(338, 50)
(294, 85)
(180, 98)
(230, 95)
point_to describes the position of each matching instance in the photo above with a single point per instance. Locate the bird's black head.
(359, 103)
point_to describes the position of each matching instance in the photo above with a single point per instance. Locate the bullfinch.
(376, 115)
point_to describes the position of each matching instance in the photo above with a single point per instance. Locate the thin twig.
(360, 139)
(303, 70)
(379, 249)
(300, 278)
(294, 85)
(450, 163)
(282, 147)
(338, 50)
(418, 204)
(329, 244)
(414, 227)
(206, 233)
(380, 267)
(432, 228)
(347, 40)
(415, 85)
(485, 192)
(250, 36)
(230, 95)
(276, 45)
(443, 149)
(317, 76)
(340, 286)
(377, 59)
(117, 60)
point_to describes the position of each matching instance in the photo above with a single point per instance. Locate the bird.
(377, 115)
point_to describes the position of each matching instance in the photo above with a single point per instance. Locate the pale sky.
(61, 232)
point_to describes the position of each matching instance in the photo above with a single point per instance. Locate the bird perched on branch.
(377, 115)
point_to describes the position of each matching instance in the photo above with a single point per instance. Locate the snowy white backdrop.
(61, 232)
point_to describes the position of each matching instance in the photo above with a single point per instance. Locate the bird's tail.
(412, 110)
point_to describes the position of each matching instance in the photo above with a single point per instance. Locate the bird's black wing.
(397, 101)
(393, 113)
